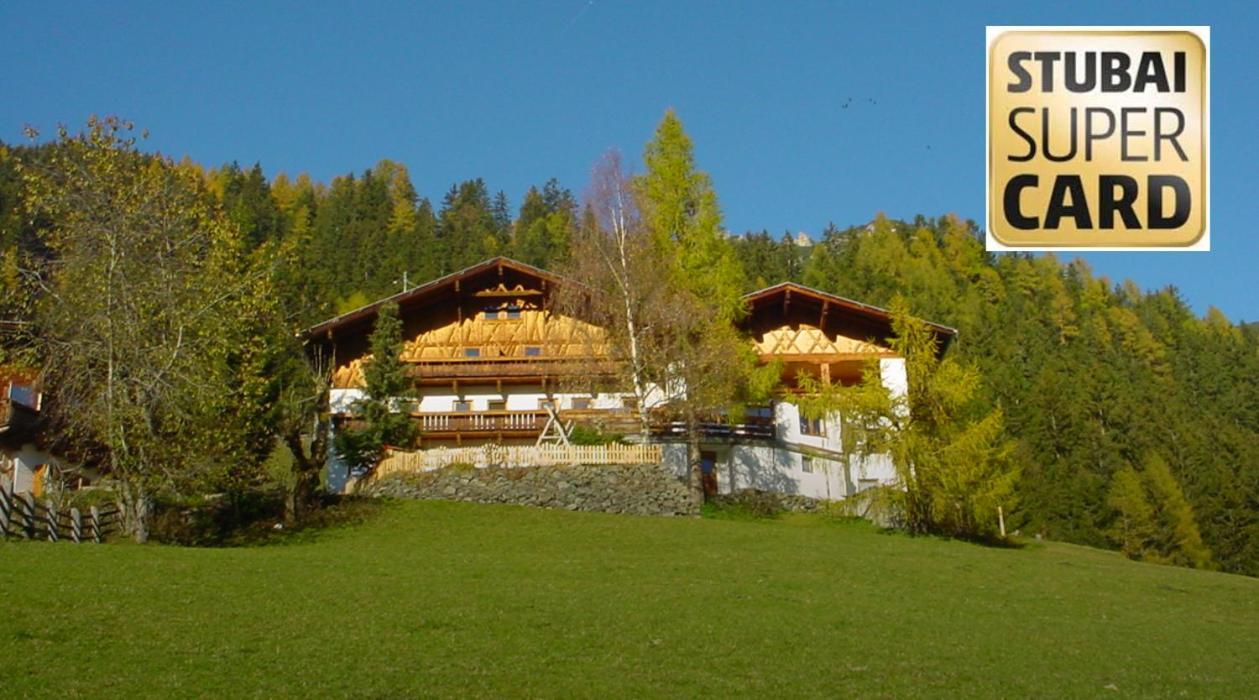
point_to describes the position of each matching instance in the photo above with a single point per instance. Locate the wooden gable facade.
(823, 335)
(490, 323)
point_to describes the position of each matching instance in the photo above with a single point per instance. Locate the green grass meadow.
(448, 599)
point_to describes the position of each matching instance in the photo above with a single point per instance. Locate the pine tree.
(382, 416)
(469, 228)
(544, 229)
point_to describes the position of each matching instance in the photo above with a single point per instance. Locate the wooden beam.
(821, 322)
(818, 358)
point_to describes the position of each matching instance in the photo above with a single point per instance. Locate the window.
(504, 313)
(498, 405)
(463, 406)
(581, 402)
(544, 404)
(472, 352)
(812, 426)
(533, 351)
(806, 464)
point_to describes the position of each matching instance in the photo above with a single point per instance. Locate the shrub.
(592, 435)
(749, 504)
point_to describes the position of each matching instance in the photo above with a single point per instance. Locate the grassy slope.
(461, 599)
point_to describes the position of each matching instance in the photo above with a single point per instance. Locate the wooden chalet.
(492, 358)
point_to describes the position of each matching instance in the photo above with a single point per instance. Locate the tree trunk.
(135, 506)
(301, 497)
(694, 459)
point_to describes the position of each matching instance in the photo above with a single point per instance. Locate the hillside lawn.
(456, 599)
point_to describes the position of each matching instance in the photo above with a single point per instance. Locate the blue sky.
(520, 92)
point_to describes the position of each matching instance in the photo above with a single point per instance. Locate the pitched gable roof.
(428, 291)
(872, 321)
(868, 320)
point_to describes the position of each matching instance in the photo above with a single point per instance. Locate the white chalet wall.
(518, 398)
(778, 466)
(24, 461)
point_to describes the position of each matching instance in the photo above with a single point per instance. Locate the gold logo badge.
(1098, 138)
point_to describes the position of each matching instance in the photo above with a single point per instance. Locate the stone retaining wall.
(769, 501)
(642, 489)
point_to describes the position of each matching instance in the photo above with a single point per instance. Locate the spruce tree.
(382, 418)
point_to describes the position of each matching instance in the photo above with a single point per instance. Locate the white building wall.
(778, 466)
(24, 461)
(337, 472)
(526, 398)
(892, 373)
(787, 422)
(767, 467)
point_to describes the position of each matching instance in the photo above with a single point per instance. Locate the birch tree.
(613, 262)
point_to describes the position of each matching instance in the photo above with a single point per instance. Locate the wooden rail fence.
(404, 462)
(22, 516)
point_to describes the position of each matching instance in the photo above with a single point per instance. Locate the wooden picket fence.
(22, 516)
(404, 462)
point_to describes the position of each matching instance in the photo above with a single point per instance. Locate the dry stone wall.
(642, 489)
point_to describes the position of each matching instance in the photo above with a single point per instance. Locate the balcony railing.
(532, 422)
(751, 427)
(482, 422)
